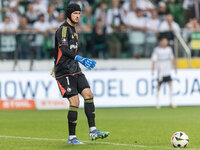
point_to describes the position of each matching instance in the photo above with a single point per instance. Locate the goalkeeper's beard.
(75, 23)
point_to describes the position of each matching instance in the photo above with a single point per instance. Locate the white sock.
(92, 128)
(157, 98)
(72, 136)
(170, 95)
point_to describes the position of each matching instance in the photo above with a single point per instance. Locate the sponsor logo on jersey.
(74, 46)
(64, 40)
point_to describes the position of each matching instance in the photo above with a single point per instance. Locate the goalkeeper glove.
(88, 63)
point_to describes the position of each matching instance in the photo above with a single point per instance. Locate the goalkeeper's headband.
(72, 8)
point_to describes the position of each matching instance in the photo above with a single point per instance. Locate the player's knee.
(74, 101)
(89, 95)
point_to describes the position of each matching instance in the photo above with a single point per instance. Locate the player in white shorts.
(163, 59)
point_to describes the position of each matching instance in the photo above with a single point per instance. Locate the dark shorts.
(71, 85)
(164, 79)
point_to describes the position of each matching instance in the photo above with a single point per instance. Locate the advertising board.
(130, 88)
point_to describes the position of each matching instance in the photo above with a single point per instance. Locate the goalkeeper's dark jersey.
(66, 46)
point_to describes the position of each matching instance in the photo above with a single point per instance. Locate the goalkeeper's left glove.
(88, 63)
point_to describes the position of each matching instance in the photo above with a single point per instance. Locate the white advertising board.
(110, 88)
(37, 86)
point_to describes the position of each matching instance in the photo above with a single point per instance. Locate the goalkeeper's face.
(75, 16)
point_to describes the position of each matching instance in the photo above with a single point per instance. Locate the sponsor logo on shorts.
(69, 89)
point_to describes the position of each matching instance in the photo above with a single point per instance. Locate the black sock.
(90, 111)
(72, 119)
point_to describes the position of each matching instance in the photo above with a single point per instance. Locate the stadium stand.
(108, 29)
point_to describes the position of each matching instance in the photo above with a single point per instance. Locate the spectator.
(143, 29)
(114, 17)
(51, 14)
(162, 10)
(176, 10)
(168, 28)
(41, 27)
(100, 13)
(7, 26)
(81, 3)
(87, 20)
(59, 5)
(8, 41)
(136, 21)
(189, 9)
(123, 36)
(128, 6)
(4, 8)
(56, 23)
(31, 14)
(193, 25)
(23, 25)
(169, 25)
(153, 23)
(152, 31)
(54, 19)
(39, 7)
(137, 25)
(145, 5)
(24, 38)
(99, 38)
(14, 12)
(86, 26)
(130, 13)
(44, 2)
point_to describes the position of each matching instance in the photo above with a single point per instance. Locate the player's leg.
(157, 97)
(90, 113)
(89, 107)
(68, 88)
(157, 94)
(171, 94)
(72, 119)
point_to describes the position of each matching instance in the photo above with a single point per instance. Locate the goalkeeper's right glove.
(88, 63)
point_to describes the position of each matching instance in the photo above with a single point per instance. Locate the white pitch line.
(93, 142)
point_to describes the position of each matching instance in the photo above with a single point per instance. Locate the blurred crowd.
(108, 28)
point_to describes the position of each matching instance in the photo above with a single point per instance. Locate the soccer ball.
(179, 140)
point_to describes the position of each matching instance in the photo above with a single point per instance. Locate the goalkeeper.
(70, 79)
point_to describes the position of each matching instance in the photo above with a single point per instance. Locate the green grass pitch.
(130, 129)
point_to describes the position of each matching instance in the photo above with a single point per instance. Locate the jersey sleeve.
(63, 42)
